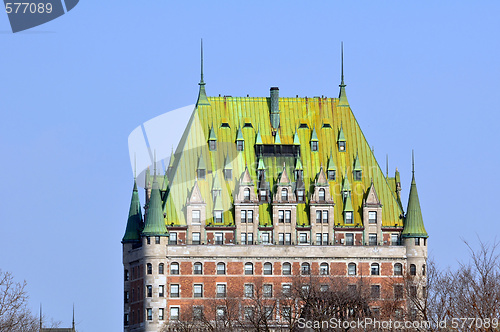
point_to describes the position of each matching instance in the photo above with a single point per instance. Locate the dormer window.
(345, 193)
(331, 175)
(321, 195)
(246, 194)
(212, 145)
(263, 195)
(327, 125)
(300, 195)
(298, 174)
(284, 194)
(225, 125)
(341, 146)
(303, 126)
(247, 125)
(218, 216)
(201, 174)
(348, 217)
(228, 174)
(240, 145)
(314, 146)
(357, 175)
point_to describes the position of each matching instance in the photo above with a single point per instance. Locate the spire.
(134, 223)
(342, 96)
(261, 166)
(246, 180)
(414, 223)
(201, 162)
(73, 322)
(218, 203)
(341, 135)
(155, 222)
(202, 95)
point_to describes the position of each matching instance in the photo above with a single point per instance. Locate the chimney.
(275, 110)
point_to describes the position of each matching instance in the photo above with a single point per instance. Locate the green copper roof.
(217, 184)
(155, 222)
(314, 136)
(341, 135)
(357, 165)
(348, 204)
(134, 223)
(258, 140)
(261, 165)
(201, 162)
(298, 164)
(218, 204)
(239, 135)
(414, 224)
(296, 140)
(277, 139)
(346, 186)
(212, 136)
(331, 163)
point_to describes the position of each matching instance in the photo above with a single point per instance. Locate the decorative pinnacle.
(342, 65)
(201, 79)
(412, 163)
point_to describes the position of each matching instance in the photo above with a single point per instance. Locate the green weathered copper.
(218, 204)
(342, 95)
(331, 164)
(202, 95)
(348, 204)
(212, 136)
(341, 137)
(258, 140)
(314, 136)
(239, 135)
(216, 185)
(277, 139)
(414, 223)
(296, 140)
(298, 164)
(261, 166)
(134, 223)
(346, 186)
(357, 165)
(155, 222)
(201, 162)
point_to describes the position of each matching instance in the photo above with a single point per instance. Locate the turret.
(134, 223)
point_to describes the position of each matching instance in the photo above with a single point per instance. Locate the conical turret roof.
(414, 223)
(155, 223)
(134, 223)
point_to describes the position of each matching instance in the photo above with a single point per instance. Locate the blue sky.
(420, 75)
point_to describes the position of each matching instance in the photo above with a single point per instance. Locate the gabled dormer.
(372, 209)
(195, 197)
(216, 186)
(341, 142)
(246, 192)
(283, 188)
(228, 169)
(240, 142)
(357, 171)
(346, 187)
(212, 140)
(331, 169)
(314, 141)
(299, 169)
(201, 171)
(321, 194)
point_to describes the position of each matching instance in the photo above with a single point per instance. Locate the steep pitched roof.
(134, 221)
(414, 223)
(246, 179)
(321, 180)
(331, 164)
(155, 222)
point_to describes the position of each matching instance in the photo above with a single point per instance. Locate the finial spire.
(73, 317)
(412, 163)
(342, 65)
(201, 79)
(342, 96)
(202, 95)
(387, 165)
(40, 316)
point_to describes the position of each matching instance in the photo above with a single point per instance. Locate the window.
(148, 240)
(281, 216)
(263, 195)
(221, 290)
(372, 217)
(149, 291)
(157, 240)
(341, 146)
(300, 195)
(125, 319)
(250, 216)
(325, 239)
(267, 290)
(305, 268)
(288, 238)
(398, 269)
(372, 239)
(331, 175)
(321, 194)
(243, 238)
(240, 145)
(149, 313)
(417, 241)
(149, 268)
(228, 174)
(305, 290)
(348, 217)
(221, 268)
(288, 216)
(174, 290)
(375, 291)
(268, 312)
(243, 216)
(398, 292)
(423, 270)
(325, 217)
(349, 239)
(126, 275)
(219, 238)
(195, 217)
(265, 238)
(198, 268)
(126, 297)
(318, 238)
(133, 295)
(303, 126)
(161, 314)
(246, 194)
(198, 290)
(268, 268)
(413, 270)
(218, 216)
(221, 312)
(248, 313)
(249, 290)
(250, 238)
(314, 146)
(172, 239)
(303, 237)
(395, 240)
(197, 312)
(357, 175)
(375, 269)
(174, 313)
(212, 145)
(284, 194)
(286, 289)
(201, 174)
(281, 238)
(351, 269)
(196, 238)
(161, 290)
(287, 269)
(248, 268)
(174, 268)
(161, 268)
(323, 269)
(318, 216)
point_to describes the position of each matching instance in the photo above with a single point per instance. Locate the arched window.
(268, 268)
(174, 268)
(198, 268)
(322, 194)
(221, 268)
(323, 268)
(413, 270)
(248, 268)
(161, 268)
(423, 270)
(351, 269)
(150, 268)
(305, 268)
(284, 194)
(287, 269)
(125, 275)
(246, 194)
(375, 269)
(398, 269)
